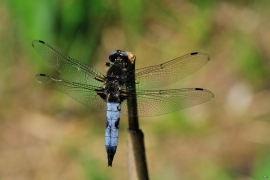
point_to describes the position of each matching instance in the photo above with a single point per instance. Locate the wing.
(171, 71)
(159, 102)
(85, 94)
(72, 69)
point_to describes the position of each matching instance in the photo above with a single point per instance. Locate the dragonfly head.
(118, 57)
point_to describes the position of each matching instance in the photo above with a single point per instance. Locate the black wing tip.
(40, 41)
(201, 89)
(38, 75)
(193, 53)
(37, 40)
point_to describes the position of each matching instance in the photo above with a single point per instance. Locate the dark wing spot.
(41, 41)
(199, 89)
(194, 53)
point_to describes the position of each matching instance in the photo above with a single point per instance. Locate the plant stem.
(137, 166)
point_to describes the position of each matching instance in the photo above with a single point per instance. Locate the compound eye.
(119, 55)
(112, 56)
(124, 56)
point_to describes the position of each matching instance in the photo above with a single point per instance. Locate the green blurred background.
(45, 134)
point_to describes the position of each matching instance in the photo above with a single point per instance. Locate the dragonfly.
(110, 92)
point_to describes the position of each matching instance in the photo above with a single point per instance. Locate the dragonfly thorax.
(112, 90)
(113, 83)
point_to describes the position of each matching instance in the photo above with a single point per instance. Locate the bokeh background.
(45, 134)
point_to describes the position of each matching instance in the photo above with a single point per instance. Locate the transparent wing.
(171, 71)
(72, 69)
(159, 102)
(85, 94)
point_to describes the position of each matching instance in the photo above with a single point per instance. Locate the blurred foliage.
(47, 135)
